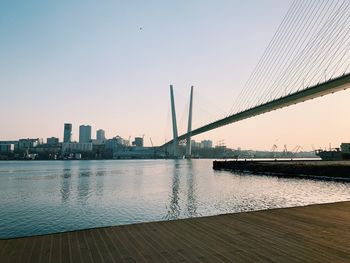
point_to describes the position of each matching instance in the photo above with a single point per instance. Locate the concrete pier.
(315, 169)
(316, 233)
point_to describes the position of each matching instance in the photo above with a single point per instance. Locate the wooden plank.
(83, 247)
(65, 249)
(200, 241)
(153, 249)
(180, 243)
(45, 252)
(75, 254)
(56, 255)
(36, 249)
(136, 252)
(101, 246)
(131, 253)
(95, 252)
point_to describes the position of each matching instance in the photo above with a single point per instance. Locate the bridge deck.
(317, 233)
(319, 90)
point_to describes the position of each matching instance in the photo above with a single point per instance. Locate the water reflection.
(66, 182)
(174, 208)
(99, 182)
(87, 177)
(84, 184)
(191, 195)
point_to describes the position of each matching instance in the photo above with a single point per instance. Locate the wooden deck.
(318, 233)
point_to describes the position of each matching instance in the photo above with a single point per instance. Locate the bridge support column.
(176, 142)
(189, 126)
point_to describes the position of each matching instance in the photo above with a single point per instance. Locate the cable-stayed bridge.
(308, 57)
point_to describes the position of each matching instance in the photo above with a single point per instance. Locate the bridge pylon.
(189, 127)
(173, 114)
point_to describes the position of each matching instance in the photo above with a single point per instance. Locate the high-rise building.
(67, 136)
(100, 135)
(84, 133)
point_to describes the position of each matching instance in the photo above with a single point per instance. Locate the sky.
(110, 63)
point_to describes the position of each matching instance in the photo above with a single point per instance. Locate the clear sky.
(109, 64)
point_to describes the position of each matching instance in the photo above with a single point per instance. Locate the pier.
(310, 169)
(317, 233)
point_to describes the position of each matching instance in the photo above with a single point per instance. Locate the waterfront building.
(67, 136)
(138, 153)
(7, 147)
(47, 151)
(100, 136)
(116, 143)
(76, 147)
(25, 144)
(84, 133)
(99, 151)
(52, 141)
(15, 143)
(138, 142)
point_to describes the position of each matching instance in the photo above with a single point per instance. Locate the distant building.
(7, 148)
(116, 143)
(195, 144)
(67, 136)
(75, 147)
(138, 153)
(138, 142)
(206, 144)
(84, 133)
(100, 136)
(47, 151)
(345, 147)
(15, 143)
(25, 144)
(52, 140)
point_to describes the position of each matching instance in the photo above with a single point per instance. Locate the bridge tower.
(173, 113)
(189, 127)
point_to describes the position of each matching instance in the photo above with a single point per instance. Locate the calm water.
(45, 197)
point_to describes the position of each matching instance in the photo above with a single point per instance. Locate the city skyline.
(100, 68)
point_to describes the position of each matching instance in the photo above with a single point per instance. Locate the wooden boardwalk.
(317, 233)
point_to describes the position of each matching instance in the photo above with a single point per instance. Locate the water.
(40, 197)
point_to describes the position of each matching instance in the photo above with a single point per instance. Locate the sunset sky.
(110, 65)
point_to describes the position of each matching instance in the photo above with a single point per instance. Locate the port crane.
(274, 148)
(273, 151)
(296, 149)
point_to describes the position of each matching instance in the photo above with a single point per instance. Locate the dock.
(292, 168)
(315, 233)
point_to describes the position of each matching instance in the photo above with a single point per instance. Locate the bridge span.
(319, 90)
